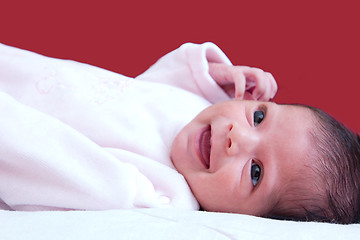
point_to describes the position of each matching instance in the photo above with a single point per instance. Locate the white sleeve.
(47, 165)
(187, 68)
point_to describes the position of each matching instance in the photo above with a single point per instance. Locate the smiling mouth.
(204, 146)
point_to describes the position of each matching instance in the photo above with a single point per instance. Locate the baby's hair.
(339, 154)
(335, 176)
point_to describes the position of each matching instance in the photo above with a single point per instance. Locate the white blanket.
(161, 224)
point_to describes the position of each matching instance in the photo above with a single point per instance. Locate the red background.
(311, 47)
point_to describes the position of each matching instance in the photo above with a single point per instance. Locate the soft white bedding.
(161, 224)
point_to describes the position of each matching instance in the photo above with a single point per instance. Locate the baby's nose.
(240, 140)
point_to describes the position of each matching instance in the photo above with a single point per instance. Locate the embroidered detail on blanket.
(104, 90)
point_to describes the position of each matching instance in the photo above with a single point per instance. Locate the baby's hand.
(243, 82)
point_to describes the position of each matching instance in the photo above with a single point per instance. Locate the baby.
(264, 159)
(192, 131)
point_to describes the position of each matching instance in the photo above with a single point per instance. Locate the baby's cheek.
(207, 192)
(176, 152)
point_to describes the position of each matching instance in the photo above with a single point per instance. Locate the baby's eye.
(255, 173)
(258, 117)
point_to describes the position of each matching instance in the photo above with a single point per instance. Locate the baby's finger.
(274, 86)
(240, 82)
(266, 96)
(258, 78)
(229, 89)
(270, 88)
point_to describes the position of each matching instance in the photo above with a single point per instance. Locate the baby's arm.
(47, 165)
(206, 71)
(187, 68)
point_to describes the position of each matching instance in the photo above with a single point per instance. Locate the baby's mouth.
(205, 146)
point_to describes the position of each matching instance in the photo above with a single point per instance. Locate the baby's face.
(236, 155)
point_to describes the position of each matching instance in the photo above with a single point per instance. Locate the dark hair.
(335, 196)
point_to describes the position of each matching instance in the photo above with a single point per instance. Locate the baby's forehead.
(296, 165)
(298, 109)
(296, 121)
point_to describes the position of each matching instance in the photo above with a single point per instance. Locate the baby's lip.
(203, 146)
